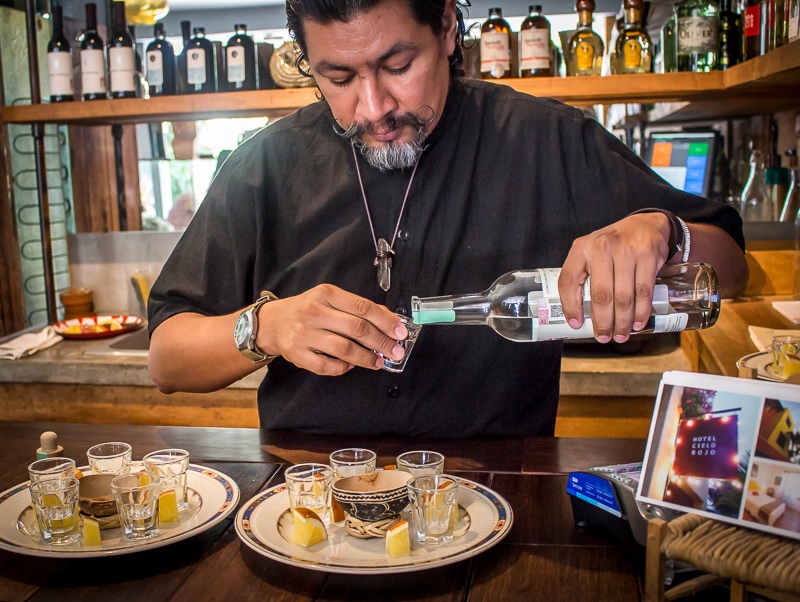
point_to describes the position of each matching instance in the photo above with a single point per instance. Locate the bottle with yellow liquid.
(585, 48)
(145, 12)
(634, 50)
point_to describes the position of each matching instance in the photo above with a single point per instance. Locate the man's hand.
(623, 260)
(328, 331)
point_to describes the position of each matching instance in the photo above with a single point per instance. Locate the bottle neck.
(633, 17)
(451, 309)
(585, 18)
(58, 21)
(91, 17)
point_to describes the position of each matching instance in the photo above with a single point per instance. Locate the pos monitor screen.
(685, 160)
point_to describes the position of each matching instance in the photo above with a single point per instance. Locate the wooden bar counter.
(544, 557)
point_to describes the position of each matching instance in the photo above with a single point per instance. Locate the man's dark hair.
(425, 12)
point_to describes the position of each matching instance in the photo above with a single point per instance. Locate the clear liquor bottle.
(634, 49)
(698, 35)
(585, 48)
(668, 43)
(496, 47)
(535, 47)
(756, 202)
(525, 305)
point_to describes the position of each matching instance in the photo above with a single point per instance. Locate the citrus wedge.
(168, 507)
(397, 540)
(337, 512)
(791, 366)
(308, 528)
(90, 535)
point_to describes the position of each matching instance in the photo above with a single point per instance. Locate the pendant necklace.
(383, 249)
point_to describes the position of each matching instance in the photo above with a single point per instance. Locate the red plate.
(88, 324)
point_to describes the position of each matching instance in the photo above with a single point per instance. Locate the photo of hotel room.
(773, 495)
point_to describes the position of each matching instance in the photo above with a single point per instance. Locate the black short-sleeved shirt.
(507, 181)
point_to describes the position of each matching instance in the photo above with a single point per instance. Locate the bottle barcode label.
(670, 322)
(534, 49)
(196, 66)
(698, 34)
(59, 66)
(235, 55)
(121, 69)
(155, 68)
(93, 72)
(495, 53)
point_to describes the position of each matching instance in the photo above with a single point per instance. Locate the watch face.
(241, 331)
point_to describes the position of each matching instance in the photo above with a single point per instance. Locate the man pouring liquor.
(408, 179)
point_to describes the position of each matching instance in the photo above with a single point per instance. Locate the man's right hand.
(329, 331)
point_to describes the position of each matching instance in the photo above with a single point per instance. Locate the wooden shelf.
(765, 84)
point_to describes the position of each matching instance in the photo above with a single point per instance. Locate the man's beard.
(390, 155)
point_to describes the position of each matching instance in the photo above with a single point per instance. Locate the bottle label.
(122, 70)
(495, 53)
(155, 68)
(196, 66)
(534, 49)
(235, 55)
(545, 308)
(794, 24)
(59, 65)
(584, 56)
(670, 322)
(632, 54)
(752, 21)
(93, 72)
(698, 35)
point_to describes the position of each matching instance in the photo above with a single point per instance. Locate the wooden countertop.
(545, 556)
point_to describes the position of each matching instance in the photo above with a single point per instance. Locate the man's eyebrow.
(397, 48)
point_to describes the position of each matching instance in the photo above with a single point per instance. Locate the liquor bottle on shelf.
(535, 47)
(698, 35)
(160, 57)
(93, 58)
(756, 204)
(754, 45)
(121, 55)
(668, 44)
(779, 24)
(181, 84)
(585, 48)
(793, 20)
(145, 12)
(525, 305)
(634, 50)
(791, 204)
(496, 47)
(200, 69)
(730, 35)
(59, 61)
(241, 61)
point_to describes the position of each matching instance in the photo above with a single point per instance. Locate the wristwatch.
(246, 329)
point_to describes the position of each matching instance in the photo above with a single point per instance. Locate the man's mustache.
(387, 124)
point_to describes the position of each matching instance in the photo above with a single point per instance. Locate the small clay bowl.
(373, 496)
(95, 496)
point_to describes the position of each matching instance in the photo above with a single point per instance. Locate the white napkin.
(790, 309)
(762, 337)
(29, 343)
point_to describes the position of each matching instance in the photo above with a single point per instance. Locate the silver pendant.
(383, 261)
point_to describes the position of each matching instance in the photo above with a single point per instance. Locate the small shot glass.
(434, 502)
(310, 486)
(137, 505)
(421, 463)
(51, 468)
(55, 502)
(391, 365)
(352, 461)
(171, 466)
(110, 458)
(782, 345)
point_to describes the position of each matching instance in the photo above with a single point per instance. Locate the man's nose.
(375, 101)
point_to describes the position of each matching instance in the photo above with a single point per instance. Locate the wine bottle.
(160, 64)
(121, 56)
(200, 70)
(241, 60)
(59, 61)
(730, 35)
(535, 52)
(93, 58)
(181, 84)
(496, 46)
(584, 47)
(525, 305)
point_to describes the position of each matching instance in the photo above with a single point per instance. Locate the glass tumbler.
(172, 467)
(55, 502)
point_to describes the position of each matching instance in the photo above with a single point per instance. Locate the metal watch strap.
(678, 231)
(252, 352)
(687, 240)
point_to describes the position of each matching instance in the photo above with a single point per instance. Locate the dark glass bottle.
(181, 83)
(160, 59)
(200, 71)
(93, 58)
(698, 35)
(496, 47)
(730, 32)
(752, 29)
(121, 55)
(59, 61)
(240, 54)
(535, 52)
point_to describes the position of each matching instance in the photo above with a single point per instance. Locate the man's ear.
(449, 25)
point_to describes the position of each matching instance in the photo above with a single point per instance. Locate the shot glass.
(171, 466)
(51, 468)
(137, 505)
(310, 486)
(391, 365)
(434, 500)
(351, 461)
(421, 463)
(110, 458)
(781, 345)
(55, 502)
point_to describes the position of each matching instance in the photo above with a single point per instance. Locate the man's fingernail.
(379, 362)
(638, 325)
(400, 333)
(620, 338)
(574, 323)
(398, 352)
(603, 338)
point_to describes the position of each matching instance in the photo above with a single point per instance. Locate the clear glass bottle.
(634, 50)
(668, 44)
(496, 46)
(755, 199)
(585, 48)
(791, 204)
(698, 35)
(525, 305)
(535, 47)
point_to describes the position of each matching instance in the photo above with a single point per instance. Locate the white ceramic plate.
(257, 526)
(762, 362)
(219, 495)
